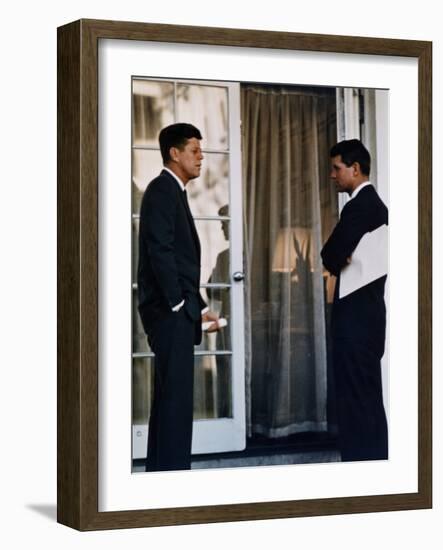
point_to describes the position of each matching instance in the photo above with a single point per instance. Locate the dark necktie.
(191, 221)
(187, 203)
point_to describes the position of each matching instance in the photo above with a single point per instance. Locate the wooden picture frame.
(77, 173)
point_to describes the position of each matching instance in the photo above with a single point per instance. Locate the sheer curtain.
(290, 207)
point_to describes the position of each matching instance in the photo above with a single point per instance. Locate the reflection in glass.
(207, 108)
(212, 387)
(219, 301)
(142, 389)
(213, 236)
(139, 338)
(135, 231)
(153, 108)
(146, 165)
(210, 191)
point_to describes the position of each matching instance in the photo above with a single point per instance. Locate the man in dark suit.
(170, 305)
(359, 318)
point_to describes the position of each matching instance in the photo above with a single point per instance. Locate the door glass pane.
(219, 301)
(215, 256)
(210, 192)
(212, 387)
(146, 165)
(135, 231)
(142, 389)
(214, 241)
(207, 108)
(153, 108)
(214, 235)
(139, 338)
(213, 341)
(206, 194)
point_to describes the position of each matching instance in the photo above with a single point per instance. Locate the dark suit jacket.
(360, 315)
(169, 254)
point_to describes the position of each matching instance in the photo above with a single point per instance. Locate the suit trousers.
(170, 422)
(361, 418)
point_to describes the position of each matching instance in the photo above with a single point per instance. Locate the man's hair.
(176, 135)
(353, 150)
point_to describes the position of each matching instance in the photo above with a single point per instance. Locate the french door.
(216, 203)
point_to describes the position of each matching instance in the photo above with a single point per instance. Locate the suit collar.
(177, 179)
(359, 188)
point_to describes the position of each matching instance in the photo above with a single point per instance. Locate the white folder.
(369, 262)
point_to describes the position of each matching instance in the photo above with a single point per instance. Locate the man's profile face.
(343, 176)
(188, 160)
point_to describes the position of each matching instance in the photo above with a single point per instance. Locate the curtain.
(290, 207)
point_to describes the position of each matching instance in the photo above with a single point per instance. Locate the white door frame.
(223, 434)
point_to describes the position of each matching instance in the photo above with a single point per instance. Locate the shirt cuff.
(205, 310)
(178, 306)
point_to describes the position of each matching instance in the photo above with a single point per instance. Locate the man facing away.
(170, 305)
(359, 318)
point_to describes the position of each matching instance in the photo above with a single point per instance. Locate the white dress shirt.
(359, 188)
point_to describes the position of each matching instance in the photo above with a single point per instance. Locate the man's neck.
(177, 173)
(176, 176)
(357, 185)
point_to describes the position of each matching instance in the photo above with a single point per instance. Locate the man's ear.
(356, 168)
(173, 152)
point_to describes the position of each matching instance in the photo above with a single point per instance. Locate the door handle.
(238, 276)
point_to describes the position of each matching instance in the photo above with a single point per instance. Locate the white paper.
(369, 262)
(222, 322)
